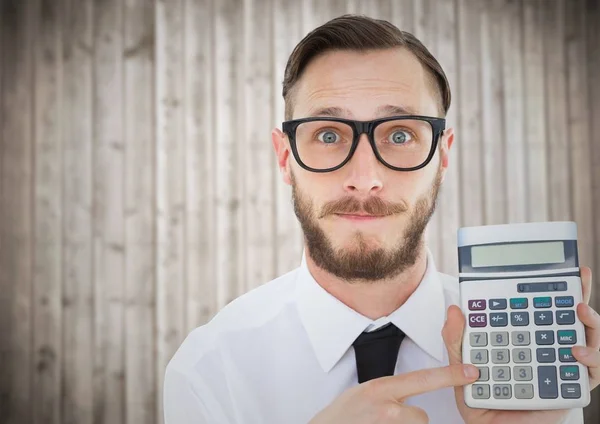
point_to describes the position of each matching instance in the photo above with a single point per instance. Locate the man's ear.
(446, 141)
(282, 152)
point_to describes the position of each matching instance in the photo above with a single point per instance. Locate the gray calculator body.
(519, 289)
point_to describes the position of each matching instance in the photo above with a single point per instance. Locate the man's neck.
(374, 299)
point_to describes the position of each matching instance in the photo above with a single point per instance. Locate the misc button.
(542, 317)
(521, 356)
(484, 374)
(518, 303)
(520, 338)
(566, 337)
(477, 320)
(481, 391)
(500, 356)
(499, 319)
(544, 337)
(523, 373)
(524, 391)
(476, 304)
(570, 390)
(496, 304)
(569, 372)
(542, 302)
(501, 373)
(565, 317)
(479, 356)
(546, 354)
(478, 339)
(518, 319)
(565, 355)
(499, 338)
(564, 301)
(502, 391)
(547, 382)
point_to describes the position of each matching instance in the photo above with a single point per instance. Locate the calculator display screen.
(552, 252)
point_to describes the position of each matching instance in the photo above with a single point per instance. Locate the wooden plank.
(592, 28)
(493, 142)
(78, 315)
(287, 32)
(257, 151)
(47, 207)
(16, 229)
(324, 11)
(578, 137)
(403, 15)
(450, 194)
(142, 388)
(200, 165)
(468, 142)
(170, 178)
(511, 43)
(377, 9)
(534, 97)
(556, 111)
(109, 225)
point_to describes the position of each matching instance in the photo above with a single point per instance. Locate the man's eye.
(328, 137)
(399, 137)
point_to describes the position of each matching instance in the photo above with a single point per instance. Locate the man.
(365, 330)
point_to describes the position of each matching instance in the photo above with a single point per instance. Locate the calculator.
(519, 289)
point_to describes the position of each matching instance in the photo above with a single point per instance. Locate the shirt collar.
(332, 326)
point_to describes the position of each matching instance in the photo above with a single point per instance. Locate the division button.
(547, 382)
(542, 317)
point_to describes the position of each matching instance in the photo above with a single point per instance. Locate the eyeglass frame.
(438, 126)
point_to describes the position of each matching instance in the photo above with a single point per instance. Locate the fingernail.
(471, 371)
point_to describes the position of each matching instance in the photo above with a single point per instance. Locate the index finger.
(586, 283)
(402, 386)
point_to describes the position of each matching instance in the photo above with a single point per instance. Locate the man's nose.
(364, 170)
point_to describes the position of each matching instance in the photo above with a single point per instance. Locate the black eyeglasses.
(402, 143)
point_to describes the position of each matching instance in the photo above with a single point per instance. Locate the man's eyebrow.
(390, 110)
(382, 111)
(332, 111)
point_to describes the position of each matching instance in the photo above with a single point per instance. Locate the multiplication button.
(544, 337)
(547, 382)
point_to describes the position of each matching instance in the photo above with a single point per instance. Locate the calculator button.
(501, 373)
(476, 304)
(484, 374)
(547, 382)
(542, 317)
(499, 338)
(544, 337)
(546, 354)
(569, 372)
(499, 319)
(479, 356)
(564, 301)
(497, 304)
(521, 356)
(481, 391)
(524, 373)
(520, 338)
(566, 337)
(565, 317)
(518, 319)
(500, 356)
(542, 302)
(565, 355)
(570, 390)
(502, 391)
(478, 339)
(477, 320)
(524, 391)
(518, 303)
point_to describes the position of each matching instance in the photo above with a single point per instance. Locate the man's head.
(362, 69)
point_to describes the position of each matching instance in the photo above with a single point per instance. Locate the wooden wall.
(139, 193)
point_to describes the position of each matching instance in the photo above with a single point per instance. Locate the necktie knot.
(377, 351)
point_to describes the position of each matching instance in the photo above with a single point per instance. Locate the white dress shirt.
(283, 351)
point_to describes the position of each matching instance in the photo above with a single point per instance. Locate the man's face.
(363, 86)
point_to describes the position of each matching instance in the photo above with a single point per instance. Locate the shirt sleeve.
(575, 416)
(181, 402)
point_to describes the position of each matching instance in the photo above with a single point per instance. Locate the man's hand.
(589, 356)
(381, 400)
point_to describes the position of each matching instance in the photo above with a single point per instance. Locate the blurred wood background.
(139, 193)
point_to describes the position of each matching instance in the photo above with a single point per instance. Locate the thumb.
(452, 333)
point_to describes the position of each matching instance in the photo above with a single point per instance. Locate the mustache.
(373, 206)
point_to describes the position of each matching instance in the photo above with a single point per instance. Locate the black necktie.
(377, 352)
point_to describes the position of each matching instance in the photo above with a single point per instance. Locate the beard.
(364, 263)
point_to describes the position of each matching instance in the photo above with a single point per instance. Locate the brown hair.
(360, 33)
